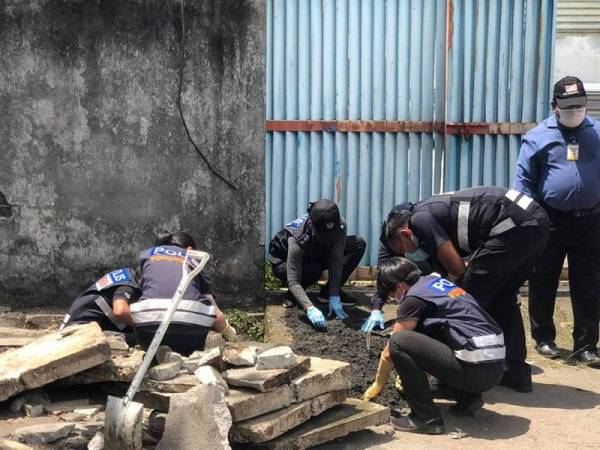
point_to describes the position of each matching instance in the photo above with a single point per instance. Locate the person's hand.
(229, 333)
(383, 374)
(373, 391)
(375, 319)
(335, 307)
(316, 317)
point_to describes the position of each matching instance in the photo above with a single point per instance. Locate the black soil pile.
(344, 341)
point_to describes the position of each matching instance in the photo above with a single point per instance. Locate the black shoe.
(346, 300)
(467, 405)
(518, 380)
(288, 301)
(412, 425)
(548, 349)
(589, 357)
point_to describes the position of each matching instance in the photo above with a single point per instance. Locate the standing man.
(559, 165)
(309, 245)
(504, 232)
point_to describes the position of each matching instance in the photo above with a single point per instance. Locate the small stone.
(210, 357)
(97, 442)
(88, 412)
(163, 354)
(165, 371)
(209, 375)
(245, 356)
(276, 358)
(117, 342)
(43, 434)
(33, 410)
(214, 340)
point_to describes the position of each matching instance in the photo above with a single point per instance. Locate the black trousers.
(579, 240)
(415, 354)
(495, 273)
(183, 339)
(312, 268)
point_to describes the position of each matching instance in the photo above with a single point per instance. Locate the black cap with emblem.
(325, 217)
(569, 92)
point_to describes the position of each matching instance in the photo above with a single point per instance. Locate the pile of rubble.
(241, 394)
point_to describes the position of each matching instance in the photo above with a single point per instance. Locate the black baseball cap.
(569, 91)
(325, 217)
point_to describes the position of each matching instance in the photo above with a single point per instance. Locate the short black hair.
(395, 220)
(179, 239)
(395, 271)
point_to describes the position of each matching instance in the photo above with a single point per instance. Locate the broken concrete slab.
(353, 415)
(210, 375)
(272, 425)
(276, 358)
(165, 371)
(179, 384)
(42, 434)
(199, 417)
(66, 406)
(239, 356)
(8, 444)
(265, 380)
(246, 404)
(325, 375)
(155, 400)
(16, 332)
(52, 357)
(210, 357)
(120, 368)
(14, 342)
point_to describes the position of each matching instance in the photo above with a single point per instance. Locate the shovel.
(124, 417)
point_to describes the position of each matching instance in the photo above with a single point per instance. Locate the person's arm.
(450, 259)
(203, 283)
(527, 175)
(408, 324)
(336, 265)
(294, 273)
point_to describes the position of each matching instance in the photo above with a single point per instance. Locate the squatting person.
(304, 248)
(441, 330)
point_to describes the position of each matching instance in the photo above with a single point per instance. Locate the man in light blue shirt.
(559, 165)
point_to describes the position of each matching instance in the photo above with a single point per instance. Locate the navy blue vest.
(459, 321)
(95, 303)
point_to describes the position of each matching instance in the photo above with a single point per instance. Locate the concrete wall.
(93, 154)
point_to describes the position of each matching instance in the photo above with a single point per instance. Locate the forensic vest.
(302, 230)
(161, 273)
(459, 321)
(477, 214)
(95, 303)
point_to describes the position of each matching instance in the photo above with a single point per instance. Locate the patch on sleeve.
(296, 223)
(116, 276)
(442, 286)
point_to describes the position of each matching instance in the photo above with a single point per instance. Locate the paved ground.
(563, 411)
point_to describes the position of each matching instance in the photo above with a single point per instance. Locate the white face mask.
(571, 118)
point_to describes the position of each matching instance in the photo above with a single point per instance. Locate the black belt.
(574, 213)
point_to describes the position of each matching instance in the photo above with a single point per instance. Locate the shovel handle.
(199, 259)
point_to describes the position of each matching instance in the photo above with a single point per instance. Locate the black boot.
(410, 424)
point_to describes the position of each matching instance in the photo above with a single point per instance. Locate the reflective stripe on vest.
(489, 340)
(189, 312)
(107, 310)
(463, 225)
(481, 355)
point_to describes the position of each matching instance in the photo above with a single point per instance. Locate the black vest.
(459, 321)
(95, 303)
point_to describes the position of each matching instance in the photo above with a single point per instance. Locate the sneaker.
(412, 425)
(467, 405)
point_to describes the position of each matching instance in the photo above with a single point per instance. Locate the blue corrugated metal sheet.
(418, 60)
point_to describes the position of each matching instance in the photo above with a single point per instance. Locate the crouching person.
(197, 312)
(441, 330)
(102, 304)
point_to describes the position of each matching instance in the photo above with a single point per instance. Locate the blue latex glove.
(335, 307)
(375, 319)
(316, 317)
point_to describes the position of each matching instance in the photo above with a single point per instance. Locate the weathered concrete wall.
(93, 152)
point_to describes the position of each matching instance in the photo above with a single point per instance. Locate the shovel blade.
(123, 425)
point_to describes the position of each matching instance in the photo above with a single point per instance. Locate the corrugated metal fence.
(365, 96)
(578, 17)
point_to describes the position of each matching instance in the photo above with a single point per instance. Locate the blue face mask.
(418, 254)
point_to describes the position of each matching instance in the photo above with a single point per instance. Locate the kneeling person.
(105, 301)
(441, 330)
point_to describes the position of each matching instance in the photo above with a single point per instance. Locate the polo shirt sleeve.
(410, 308)
(526, 177)
(428, 229)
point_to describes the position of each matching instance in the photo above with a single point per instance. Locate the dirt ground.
(562, 412)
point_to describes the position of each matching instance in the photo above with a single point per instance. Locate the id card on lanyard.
(572, 149)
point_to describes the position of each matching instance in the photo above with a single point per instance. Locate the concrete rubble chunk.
(163, 354)
(31, 397)
(179, 384)
(353, 415)
(240, 356)
(88, 412)
(272, 425)
(14, 342)
(211, 357)
(97, 442)
(52, 357)
(33, 410)
(246, 404)
(66, 406)
(121, 367)
(197, 418)
(42, 434)
(325, 375)
(116, 341)
(165, 371)
(8, 444)
(214, 340)
(265, 380)
(89, 429)
(210, 375)
(155, 400)
(72, 443)
(276, 358)
(16, 332)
